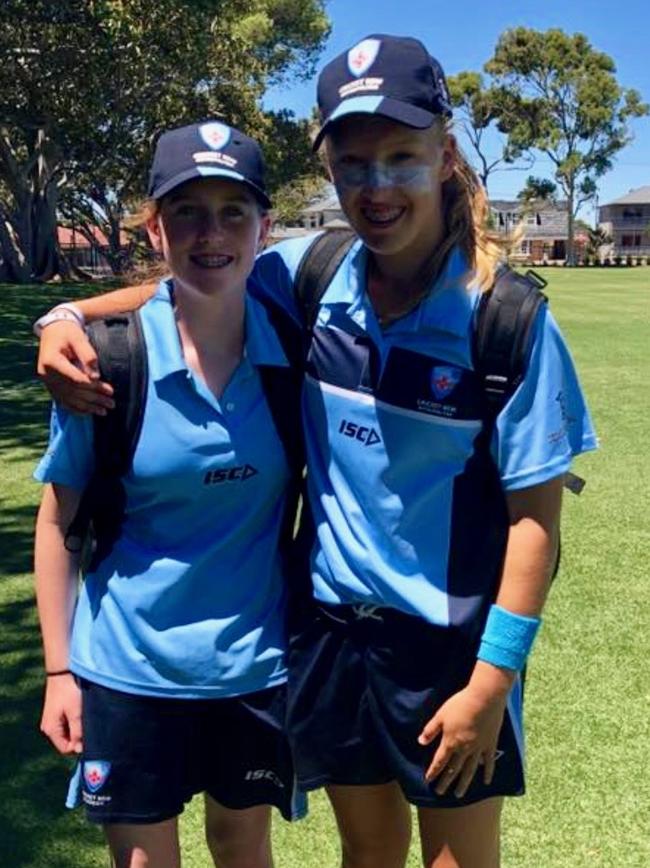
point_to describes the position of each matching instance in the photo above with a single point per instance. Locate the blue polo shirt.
(409, 509)
(190, 601)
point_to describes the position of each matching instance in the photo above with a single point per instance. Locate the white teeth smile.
(206, 261)
(383, 215)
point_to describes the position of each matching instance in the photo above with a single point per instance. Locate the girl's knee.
(239, 839)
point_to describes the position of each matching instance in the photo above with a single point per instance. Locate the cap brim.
(210, 172)
(384, 106)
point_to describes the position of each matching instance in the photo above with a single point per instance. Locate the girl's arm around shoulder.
(67, 363)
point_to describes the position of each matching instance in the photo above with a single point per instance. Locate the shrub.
(607, 261)
(629, 261)
(618, 260)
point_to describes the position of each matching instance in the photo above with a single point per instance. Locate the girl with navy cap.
(436, 533)
(166, 676)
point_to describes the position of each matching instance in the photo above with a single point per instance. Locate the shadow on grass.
(35, 828)
(36, 831)
(23, 411)
(17, 535)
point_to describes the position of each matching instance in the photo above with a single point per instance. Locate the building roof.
(639, 196)
(517, 205)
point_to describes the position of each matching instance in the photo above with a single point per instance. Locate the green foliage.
(478, 104)
(88, 86)
(559, 95)
(597, 238)
(538, 190)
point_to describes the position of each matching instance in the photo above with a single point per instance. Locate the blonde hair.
(466, 213)
(153, 267)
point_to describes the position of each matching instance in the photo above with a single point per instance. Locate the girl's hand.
(61, 718)
(468, 724)
(67, 364)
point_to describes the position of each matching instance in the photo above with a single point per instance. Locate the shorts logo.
(264, 775)
(215, 135)
(96, 773)
(362, 56)
(444, 380)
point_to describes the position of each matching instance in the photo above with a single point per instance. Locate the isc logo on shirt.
(367, 436)
(230, 474)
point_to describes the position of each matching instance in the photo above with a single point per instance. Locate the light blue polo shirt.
(400, 494)
(190, 602)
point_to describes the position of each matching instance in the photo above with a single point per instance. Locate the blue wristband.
(507, 638)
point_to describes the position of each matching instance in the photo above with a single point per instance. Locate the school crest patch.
(96, 774)
(444, 380)
(362, 56)
(215, 135)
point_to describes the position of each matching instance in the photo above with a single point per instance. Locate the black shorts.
(145, 757)
(363, 681)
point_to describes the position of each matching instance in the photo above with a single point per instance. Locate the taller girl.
(436, 534)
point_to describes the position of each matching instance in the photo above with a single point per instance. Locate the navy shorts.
(145, 757)
(363, 681)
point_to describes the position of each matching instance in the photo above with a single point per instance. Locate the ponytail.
(466, 212)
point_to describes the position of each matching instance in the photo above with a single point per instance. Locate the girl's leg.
(238, 839)
(374, 823)
(465, 837)
(152, 845)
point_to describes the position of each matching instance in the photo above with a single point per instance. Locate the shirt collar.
(448, 307)
(262, 345)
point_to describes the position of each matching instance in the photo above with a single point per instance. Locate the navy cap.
(391, 76)
(208, 150)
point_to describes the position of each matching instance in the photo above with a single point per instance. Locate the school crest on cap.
(444, 380)
(215, 135)
(362, 56)
(96, 773)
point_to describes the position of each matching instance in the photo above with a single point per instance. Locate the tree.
(479, 110)
(560, 96)
(537, 190)
(88, 84)
(596, 238)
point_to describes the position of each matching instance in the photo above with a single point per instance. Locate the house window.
(524, 247)
(531, 219)
(631, 240)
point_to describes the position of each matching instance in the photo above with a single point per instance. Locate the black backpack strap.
(317, 268)
(121, 352)
(502, 335)
(283, 385)
(283, 390)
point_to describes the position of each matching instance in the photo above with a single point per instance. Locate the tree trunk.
(570, 252)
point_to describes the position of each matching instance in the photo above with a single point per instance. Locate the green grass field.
(588, 693)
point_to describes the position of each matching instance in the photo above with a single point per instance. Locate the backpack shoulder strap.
(119, 344)
(502, 334)
(121, 352)
(317, 268)
(283, 385)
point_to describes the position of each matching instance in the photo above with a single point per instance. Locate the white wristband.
(62, 312)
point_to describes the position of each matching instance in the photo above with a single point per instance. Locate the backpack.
(122, 356)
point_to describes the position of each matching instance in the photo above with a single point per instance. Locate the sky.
(462, 35)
